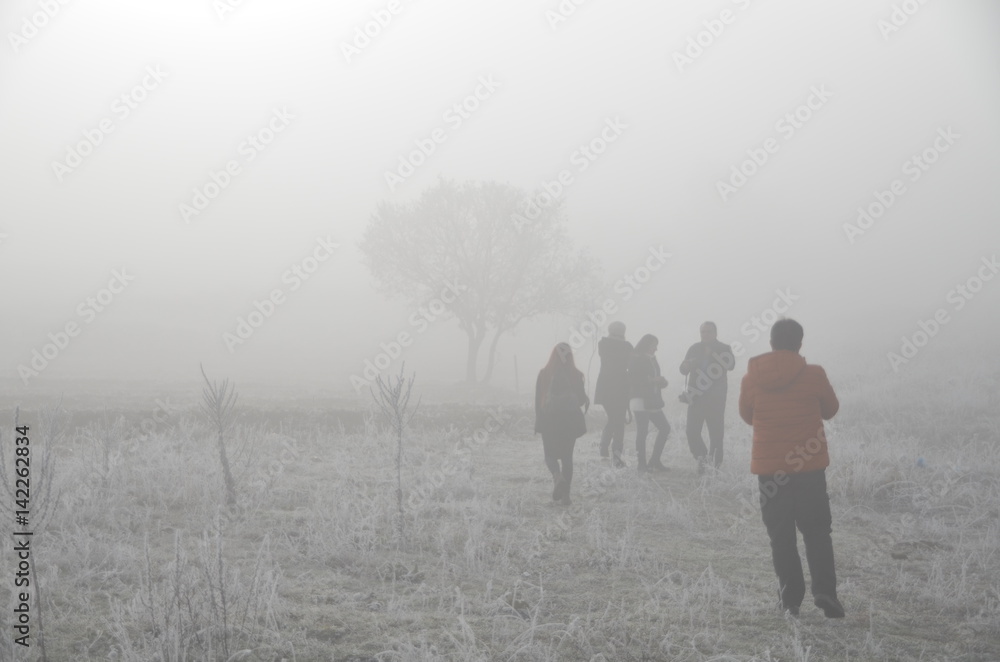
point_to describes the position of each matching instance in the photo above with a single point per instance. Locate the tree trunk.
(475, 341)
(492, 356)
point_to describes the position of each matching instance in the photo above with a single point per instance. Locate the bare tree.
(467, 236)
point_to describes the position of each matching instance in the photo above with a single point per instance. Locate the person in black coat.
(612, 391)
(706, 366)
(646, 403)
(559, 396)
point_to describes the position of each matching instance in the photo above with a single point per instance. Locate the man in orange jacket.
(786, 401)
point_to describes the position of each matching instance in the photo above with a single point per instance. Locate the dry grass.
(143, 562)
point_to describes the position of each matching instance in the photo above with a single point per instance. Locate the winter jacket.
(562, 385)
(643, 372)
(612, 381)
(786, 400)
(703, 378)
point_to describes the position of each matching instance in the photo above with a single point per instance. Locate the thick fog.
(117, 116)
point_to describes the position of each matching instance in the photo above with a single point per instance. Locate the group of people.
(630, 386)
(630, 383)
(785, 399)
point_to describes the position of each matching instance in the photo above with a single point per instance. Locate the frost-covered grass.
(143, 562)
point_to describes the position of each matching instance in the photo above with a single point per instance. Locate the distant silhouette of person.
(706, 366)
(786, 401)
(646, 403)
(559, 395)
(612, 391)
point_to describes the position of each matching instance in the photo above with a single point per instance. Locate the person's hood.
(776, 369)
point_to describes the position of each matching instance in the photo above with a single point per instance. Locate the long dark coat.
(612, 381)
(563, 422)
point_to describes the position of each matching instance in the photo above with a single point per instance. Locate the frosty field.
(140, 559)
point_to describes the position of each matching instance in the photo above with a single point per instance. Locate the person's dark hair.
(561, 360)
(645, 343)
(710, 324)
(786, 334)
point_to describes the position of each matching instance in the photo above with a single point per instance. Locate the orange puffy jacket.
(786, 402)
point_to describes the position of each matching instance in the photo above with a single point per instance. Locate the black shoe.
(618, 463)
(791, 609)
(782, 607)
(830, 605)
(656, 466)
(604, 454)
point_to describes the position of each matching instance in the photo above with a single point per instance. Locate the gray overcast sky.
(344, 124)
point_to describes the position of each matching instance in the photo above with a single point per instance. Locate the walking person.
(559, 396)
(646, 403)
(612, 390)
(786, 401)
(706, 366)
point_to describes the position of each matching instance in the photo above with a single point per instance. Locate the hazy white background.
(324, 175)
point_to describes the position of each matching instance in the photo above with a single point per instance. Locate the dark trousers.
(642, 420)
(707, 410)
(799, 500)
(559, 450)
(614, 431)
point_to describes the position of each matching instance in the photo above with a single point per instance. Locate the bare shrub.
(199, 607)
(393, 400)
(219, 405)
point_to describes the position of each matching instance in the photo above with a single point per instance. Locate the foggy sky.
(347, 123)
